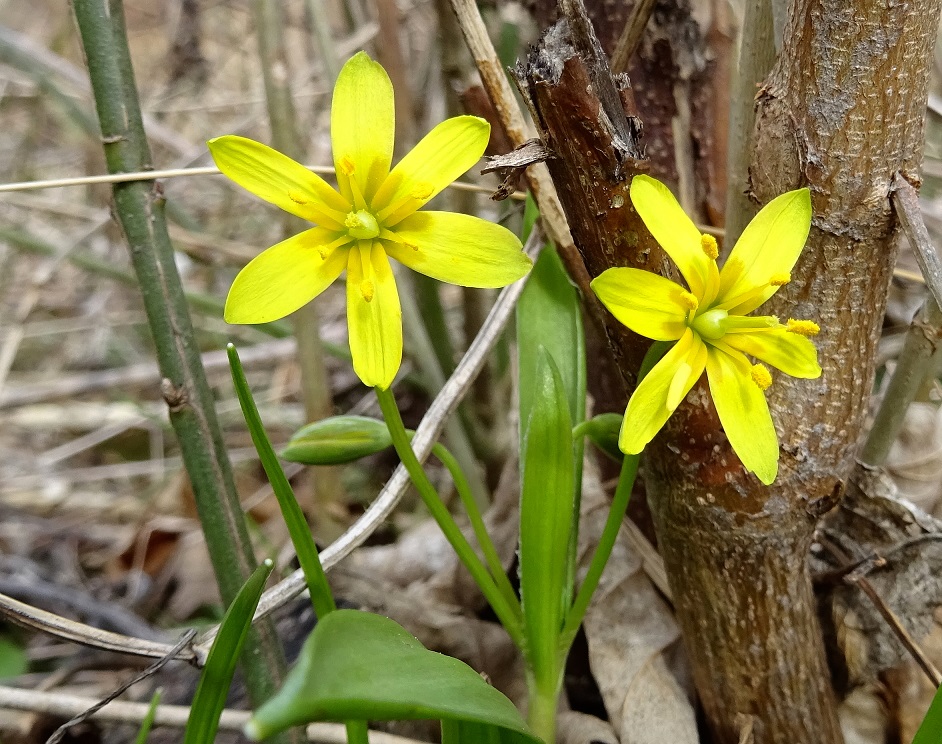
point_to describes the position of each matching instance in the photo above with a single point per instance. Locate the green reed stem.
(139, 210)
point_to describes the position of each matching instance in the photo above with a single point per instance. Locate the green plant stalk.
(542, 701)
(321, 596)
(626, 481)
(504, 611)
(147, 724)
(315, 382)
(139, 209)
(357, 732)
(918, 359)
(477, 524)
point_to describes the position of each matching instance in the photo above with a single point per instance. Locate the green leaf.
(210, 698)
(546, 518)
(144, 731)
(297, 525)
(930, 730)
(356, 665)
(337, 440)
(549, 315)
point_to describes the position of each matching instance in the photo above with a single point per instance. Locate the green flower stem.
(458, 431)
(321, 596)
(505, 612)
(543, 701)
(139, 209)
(626, 481)
(477, 525)
(357, 732)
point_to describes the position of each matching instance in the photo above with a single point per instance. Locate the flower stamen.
(779, 280)
(803, 327)
(709, 246)
(761, 376)
(689, 300)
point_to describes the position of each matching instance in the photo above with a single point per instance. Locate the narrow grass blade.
(210, 698)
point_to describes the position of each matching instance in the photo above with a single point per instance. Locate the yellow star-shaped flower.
(373, 216)
(710, 321)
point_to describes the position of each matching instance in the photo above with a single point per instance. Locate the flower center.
(711, 324)
(361, 225)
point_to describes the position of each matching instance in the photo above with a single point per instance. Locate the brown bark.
(842, 112)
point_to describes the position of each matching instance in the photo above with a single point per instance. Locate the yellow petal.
(374, 317)
(442, 155)
(676, 234)
(744, 413)
(768, 247)
(667, 383)
(647, 303)
(278, 179)
(795, 355)
(285, 277)
(362, 126)
(459, 249)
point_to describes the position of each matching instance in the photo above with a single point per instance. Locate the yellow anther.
(323, 253)
(347, 166)
(409, 244)
(708, 244)
(803, 327)
(296, 197)
(688, 300)
(422, 191)
(778, 280)
(367, 290)
(761, 376)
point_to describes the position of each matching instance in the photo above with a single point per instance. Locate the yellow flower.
(710, 322)
(373, 216)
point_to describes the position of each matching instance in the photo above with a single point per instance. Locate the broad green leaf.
(549, 315)
(210, 698)
(297, 525)
(930, 730)
(546, 518)
(337, 440)
(356, 665)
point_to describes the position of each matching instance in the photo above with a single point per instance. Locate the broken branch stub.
(596, 147)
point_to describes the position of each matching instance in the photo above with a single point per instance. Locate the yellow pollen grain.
(781, 279)
(323, 253)
(803, 327)
(347, 166)
(367, 290)
(689, 301)
(708, 244)
(296, 197)
(761, 376)
(422, 191)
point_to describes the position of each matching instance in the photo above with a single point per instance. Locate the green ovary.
(711, 325)
(361, 225)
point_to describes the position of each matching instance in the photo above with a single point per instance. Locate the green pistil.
(711, 324)
(361, 225)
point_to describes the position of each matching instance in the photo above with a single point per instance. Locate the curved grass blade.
(298, 528)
